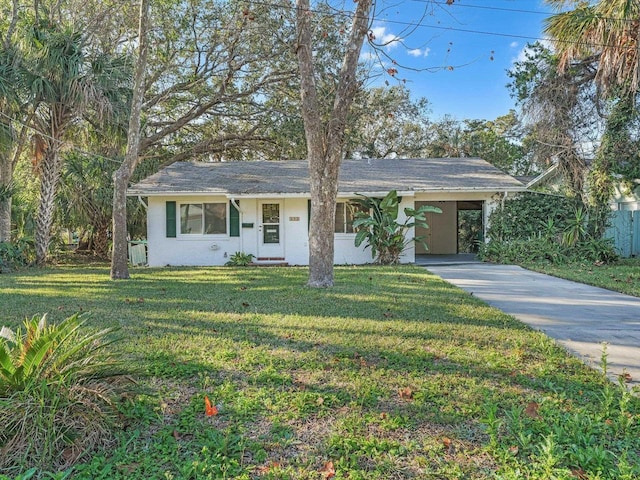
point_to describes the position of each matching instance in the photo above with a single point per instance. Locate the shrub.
(56, 391)
(532, 228)
(527, 215)
(14, 255)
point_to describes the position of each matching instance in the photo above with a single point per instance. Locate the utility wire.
(347, 14)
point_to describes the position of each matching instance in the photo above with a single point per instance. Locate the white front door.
(271, 241)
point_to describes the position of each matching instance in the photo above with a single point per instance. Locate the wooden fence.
(625, 231)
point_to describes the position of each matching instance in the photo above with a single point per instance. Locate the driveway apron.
(579, 317)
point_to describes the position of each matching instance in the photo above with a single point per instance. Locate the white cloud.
(367, 56)
(522, 54)
(427, 51)
(416, 52)
(382, 37)
(513, 44)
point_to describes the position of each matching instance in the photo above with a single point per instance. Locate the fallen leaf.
(384, 415)
(579, 473)
(514, 450)
(320, 401)
(532, 410)
(626, 377)
(405, 393)
(327, 471)
(446, 441)
(209, 409)
(264, 469)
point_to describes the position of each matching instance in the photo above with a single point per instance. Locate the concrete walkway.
(579, 317)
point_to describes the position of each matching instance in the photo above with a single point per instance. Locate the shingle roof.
(356, 176)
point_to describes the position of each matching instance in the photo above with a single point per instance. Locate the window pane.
(190, 218)
(215, 218)
(339, 228)
(352, 208)
(271, 234)
(270, 213)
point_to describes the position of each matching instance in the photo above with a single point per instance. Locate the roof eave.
(342, 193)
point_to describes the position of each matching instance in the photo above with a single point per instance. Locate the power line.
(514, 10)
(345, 14)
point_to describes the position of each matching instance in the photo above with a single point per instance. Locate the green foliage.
(15, 255)
(377, 224)
(576, 229)
(56, 390)
(240, 259)
(534, 228)
(522, 216)
(469, 230)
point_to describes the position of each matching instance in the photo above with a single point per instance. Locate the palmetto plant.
(56, 389)
(377, 223)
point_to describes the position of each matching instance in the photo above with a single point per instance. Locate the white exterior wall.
(210, 250)
(185, 249)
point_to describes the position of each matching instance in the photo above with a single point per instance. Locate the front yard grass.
(392, 374)
(622, 276)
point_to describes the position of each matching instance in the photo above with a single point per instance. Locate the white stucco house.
(202, 213)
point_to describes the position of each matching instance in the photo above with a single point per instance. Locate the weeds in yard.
(390, 375)
(560, 439)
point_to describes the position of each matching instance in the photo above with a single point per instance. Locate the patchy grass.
(622, 276)
(392, 374)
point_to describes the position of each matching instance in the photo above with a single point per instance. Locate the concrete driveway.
(579, 317)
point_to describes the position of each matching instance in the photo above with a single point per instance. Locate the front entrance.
(270, 243)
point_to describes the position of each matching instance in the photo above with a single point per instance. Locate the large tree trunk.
(324, 190)
(50, 170)
(325, 141)
(6, 177)
(121, 177)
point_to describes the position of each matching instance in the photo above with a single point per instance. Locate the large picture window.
(345, 215)
(203, 218)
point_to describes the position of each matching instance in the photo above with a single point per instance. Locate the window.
(345, 215)
(203, 218)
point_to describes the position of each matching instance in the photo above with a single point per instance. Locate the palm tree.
(64, 83)
(607, 32)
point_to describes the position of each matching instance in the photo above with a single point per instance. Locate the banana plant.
(377, 224)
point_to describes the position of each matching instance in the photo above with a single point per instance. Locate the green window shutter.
(308, 214)
(171, 219)
(234, 220)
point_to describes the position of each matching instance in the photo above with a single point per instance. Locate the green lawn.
(392, 374)
(622, 276)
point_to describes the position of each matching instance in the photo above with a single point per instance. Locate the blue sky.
(479, 39)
